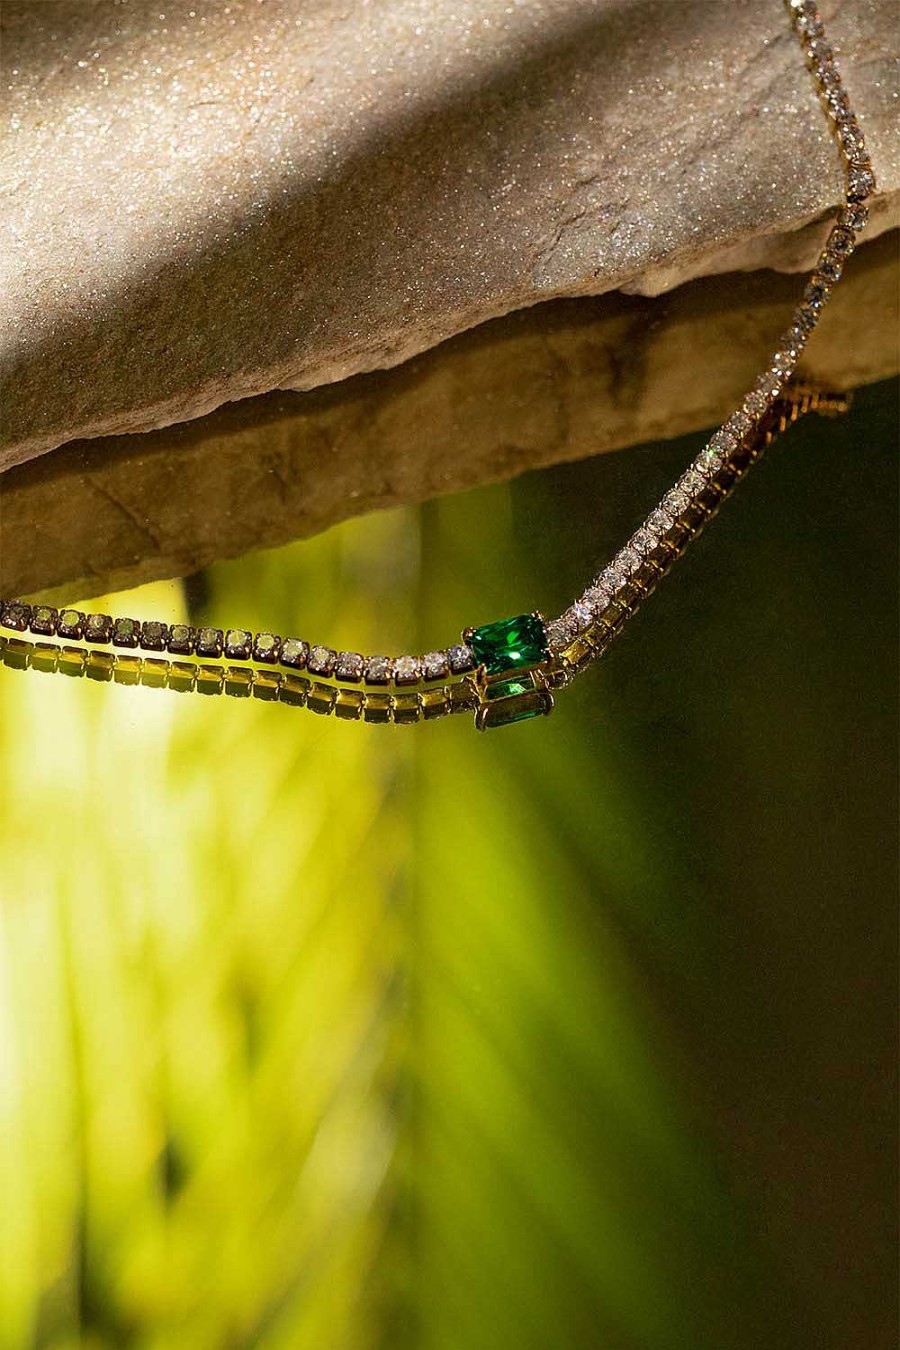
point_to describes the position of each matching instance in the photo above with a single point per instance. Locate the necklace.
(506, 671)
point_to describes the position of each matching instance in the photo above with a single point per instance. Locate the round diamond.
(435, 665)
(860, 183)
(16, 616)
(784, 361)
(70, 623)
(659, 521)
(98, 627)
(407, 670)
(238, 643)
(676, 502)
(378, 669)
(461, 658)
(853, 217)
(560, 632)
(755, 403)
(598, 598)
(642, 541)
(43, 620)
(266, 647)
(579, 616)
(321, 660)
(349, 666)
(692, 482)
(840, 243)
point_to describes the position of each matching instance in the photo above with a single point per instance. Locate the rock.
(204, 202)
(555, 382)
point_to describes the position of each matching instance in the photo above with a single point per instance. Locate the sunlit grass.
(316, 1034)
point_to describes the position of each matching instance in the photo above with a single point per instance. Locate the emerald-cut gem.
(509, 644)
(510, 688)
(505, 714)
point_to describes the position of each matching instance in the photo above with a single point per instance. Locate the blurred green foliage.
(336, 1036)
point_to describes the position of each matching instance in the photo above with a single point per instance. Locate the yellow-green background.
(574, 1036)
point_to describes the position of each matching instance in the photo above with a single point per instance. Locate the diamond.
(378, 670)
(860, 183)
(612, 578)
(821, 51)
(852, 138)
(238, 644)
(755, 403)
(126, 632)
(266, 647)
(435, 665)
(16, 615)
(810, 24)
(181, 639)
(461, 658)
(70, 623)
(627, 561)
(407, 670)
(806, 318)
(579, 615)
(559, 633)
(43, 620)
(676, 502)
(321, 660)
(816, 294)
(784, 361)
(659, 521)
(838, 102)
(708, 462)
(294, 652)
(598, 596)
(768, 383)
(349, 666)
(853, 217)
(841, 243)
(98, 627)
(209, 642)
(155, 634)
(643, 541)
(509, 644)
(830, 267)
(692, 482)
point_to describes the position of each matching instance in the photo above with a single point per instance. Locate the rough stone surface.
(204, 202)
(556, 382)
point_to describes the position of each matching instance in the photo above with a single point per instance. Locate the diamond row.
(237, 644)
(241, 682)
(693, 488)
(637, 566)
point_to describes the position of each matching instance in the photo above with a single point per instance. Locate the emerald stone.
(511, 687)
(520, 711)
(509, 644)
(503, 712)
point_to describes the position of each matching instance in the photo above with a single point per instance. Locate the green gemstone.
(510, 644)
(509, 688)
(517, 708)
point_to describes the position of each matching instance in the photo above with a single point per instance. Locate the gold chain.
(507, 671)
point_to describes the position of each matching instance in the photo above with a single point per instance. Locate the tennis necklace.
(509, 670)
